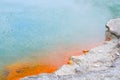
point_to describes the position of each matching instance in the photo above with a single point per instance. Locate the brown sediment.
(2, 77)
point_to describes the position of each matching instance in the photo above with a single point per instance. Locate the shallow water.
(36, 28)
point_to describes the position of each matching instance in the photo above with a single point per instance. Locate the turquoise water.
(27, 26)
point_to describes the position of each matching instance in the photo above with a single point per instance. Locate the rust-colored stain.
(107, 39)
(69, 62)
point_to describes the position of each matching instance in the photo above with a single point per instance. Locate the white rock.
(114, 26)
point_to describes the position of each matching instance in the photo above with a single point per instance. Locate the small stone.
(85, 51)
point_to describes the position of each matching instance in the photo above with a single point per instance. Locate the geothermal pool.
(50, 31)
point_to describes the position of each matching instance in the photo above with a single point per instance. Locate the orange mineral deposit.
(85, 51)
(18, 71)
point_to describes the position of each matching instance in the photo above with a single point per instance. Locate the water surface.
(29, 27)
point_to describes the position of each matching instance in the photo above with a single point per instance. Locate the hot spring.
(47, 33)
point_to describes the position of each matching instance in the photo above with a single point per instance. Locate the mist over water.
(27, 26)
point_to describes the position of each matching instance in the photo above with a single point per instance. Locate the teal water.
(27, 26)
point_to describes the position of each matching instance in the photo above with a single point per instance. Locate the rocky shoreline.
(100, 63)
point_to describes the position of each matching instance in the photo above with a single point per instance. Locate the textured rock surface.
(114, 26)
(100, 63)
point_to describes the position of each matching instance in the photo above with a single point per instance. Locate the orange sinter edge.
(46, 65)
